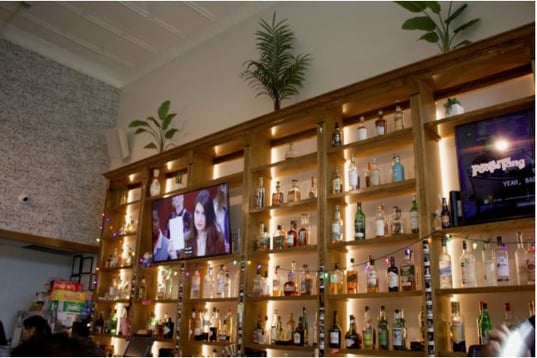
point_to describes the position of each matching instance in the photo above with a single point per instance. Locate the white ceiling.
(118, 41)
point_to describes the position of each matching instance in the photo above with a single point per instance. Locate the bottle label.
(445, 274)
(414, 221)
(353, 179)
(362, 133)
(296, 338)
(398, 173)
(393, 280)
(371, 279)
(359, 229)
(397, 337)
(457, 331)
(334, 337)
(374, 178)
(336, 186)
(383, 338)
(379, 227)
(502, 265)
(336, 231)
(368, 338)
(408, 279)
(467, 273)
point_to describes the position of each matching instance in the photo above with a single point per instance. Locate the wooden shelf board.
(396, 295)
(284, 347)
(489, 289)
(377, 144)
(283, 298)
(292, 165)
(213, 300)
(379, 353)
(304, 204)
(492, 227)
(379, 191)
(375, 241)
(286, 251)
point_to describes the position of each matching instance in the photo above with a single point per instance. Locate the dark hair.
(40, 324)
(3, 340)
(57, 345)
(204, 198)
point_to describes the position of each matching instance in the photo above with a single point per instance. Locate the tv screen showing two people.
(192, 224)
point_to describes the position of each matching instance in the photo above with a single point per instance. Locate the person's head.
(35, 326)
(57, 345)
(178, 203)
(204, 216)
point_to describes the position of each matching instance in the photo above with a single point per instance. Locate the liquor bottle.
(267, 290)
(337, 138)
(230, 324)
(445, 216)
(398, 332)
(383, 330)
(306, 285)
(352, 339)
(154, 188)
(368, 333)
(337, 226)
(337, 183)
(275, 327)
(336, 281)
(359, 222)
(228, 285)
(521, 260)
(362, 129)
(266, 337)
(372, 278)
(142, 289)
(374, 174)
(278, 238)
(414, 215)
(398, 119)
(277, 196)
(530, 263)
(305, 326)
(195, 284)
(293, 194)
(209, 284)
(380, 223)
(502, 262)
(168, 328)
(354, 179)
(303, 232)
(220, 282)
(99, 325)
(398, 170)
(508, 316)
(206, 324)
(261, 244)
(113, 322)
(276, 282)
(489, 264)
(397, 221)
(290, 154)
(292, 235)
(258, 335)
(367, 174)
(352, 278)
(298, 334)
(458, 340)
(484, 323)
(290, 287)
(192, 325)
(467, 264)
(260, 194)
(334, 334)
(380, 124)
(393, 276)
(444, 266)
(198, 328)
(408, 272)
(258, 284)
(313, 189)
(315, 338)
(214, 325)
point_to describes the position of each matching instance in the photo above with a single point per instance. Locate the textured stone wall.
(52, 146)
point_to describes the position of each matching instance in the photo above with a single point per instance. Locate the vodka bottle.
(398, 170)
(398, 119)
(502, 262)
(372, 278)
(408, 272)
(337, 226)
(220, 282)
(275, 328)
(260, 194)
(489, 264)
(142, 289)
(467, 264)
(362, 129)
(228, 285)
(352, 278)
(380, 223)
(368, 333)
(257, 336)
(209, 284)
(354, 180)
(383, 330)
(444, 266)
(306, 285)
(457, 328)
(414, 215)
(393, 276)
(337, 137)
(359, 223)
(261, 244)
(508, 316)
(195, 285)
(374, 174)
(380, 124)
(521, 260)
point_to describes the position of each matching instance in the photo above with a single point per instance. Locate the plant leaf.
(456, 13)
(419, 23)
(170, 133)
(168, 120)
(462, 43)
(413, 6)
(430, 37)
(155, 122)
(151, 146)
(138, 123)
(465, 26)
(434, 6)
(163, 109)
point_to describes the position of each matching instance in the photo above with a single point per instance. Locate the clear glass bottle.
(220, 282)
(337, 226)
(398, 332)
(336, 281)
(530, 260)
(414, 215)
(195, 285)
(467, 267)
(275, 327)
(445, 216)
(393, 276)
(293, 194)
(502, 262)
(258, 284)
(260, 193)
(383, 330)
(458, 340)
(292, 235)
(354, 179)
(489, 264)
(380, 124)
(337, 183)
(397, 221)
(277, 196)
(398, 119)
(352, 278)
(154, 188)
(303, 232)
(508, 320)
(362, 129)
(444, 266)
(334, 334)
(521, 260)
(209, 284)
(313, 190)
(306, 285)
(374, 174)
(290, 154)
(337, 136)
(260, 244)
(142, 289)
(372, 277)
(380, 223)
(398, 170)
(278, 238)
(368, 333)
(257, 336)
(367, 174)
(290, 287)
(359, 222)
(352, 340)
(408, 272)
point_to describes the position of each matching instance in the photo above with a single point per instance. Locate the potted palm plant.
(278, 73)
(161, 130)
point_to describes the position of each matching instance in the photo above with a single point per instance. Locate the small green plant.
(160, 129)
(278, 73)
(451, 102)
(440, 31)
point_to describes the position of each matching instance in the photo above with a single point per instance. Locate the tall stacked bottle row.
(336, 243)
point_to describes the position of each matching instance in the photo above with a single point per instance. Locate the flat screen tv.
(496, 159)
(191, 224)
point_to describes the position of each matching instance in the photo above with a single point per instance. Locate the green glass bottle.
(383, 330)
(359, 223)
(484, 324)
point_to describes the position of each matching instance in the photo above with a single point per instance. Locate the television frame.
(171, 227)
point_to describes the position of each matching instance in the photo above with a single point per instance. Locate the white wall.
(23, 272)
(349, 42)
